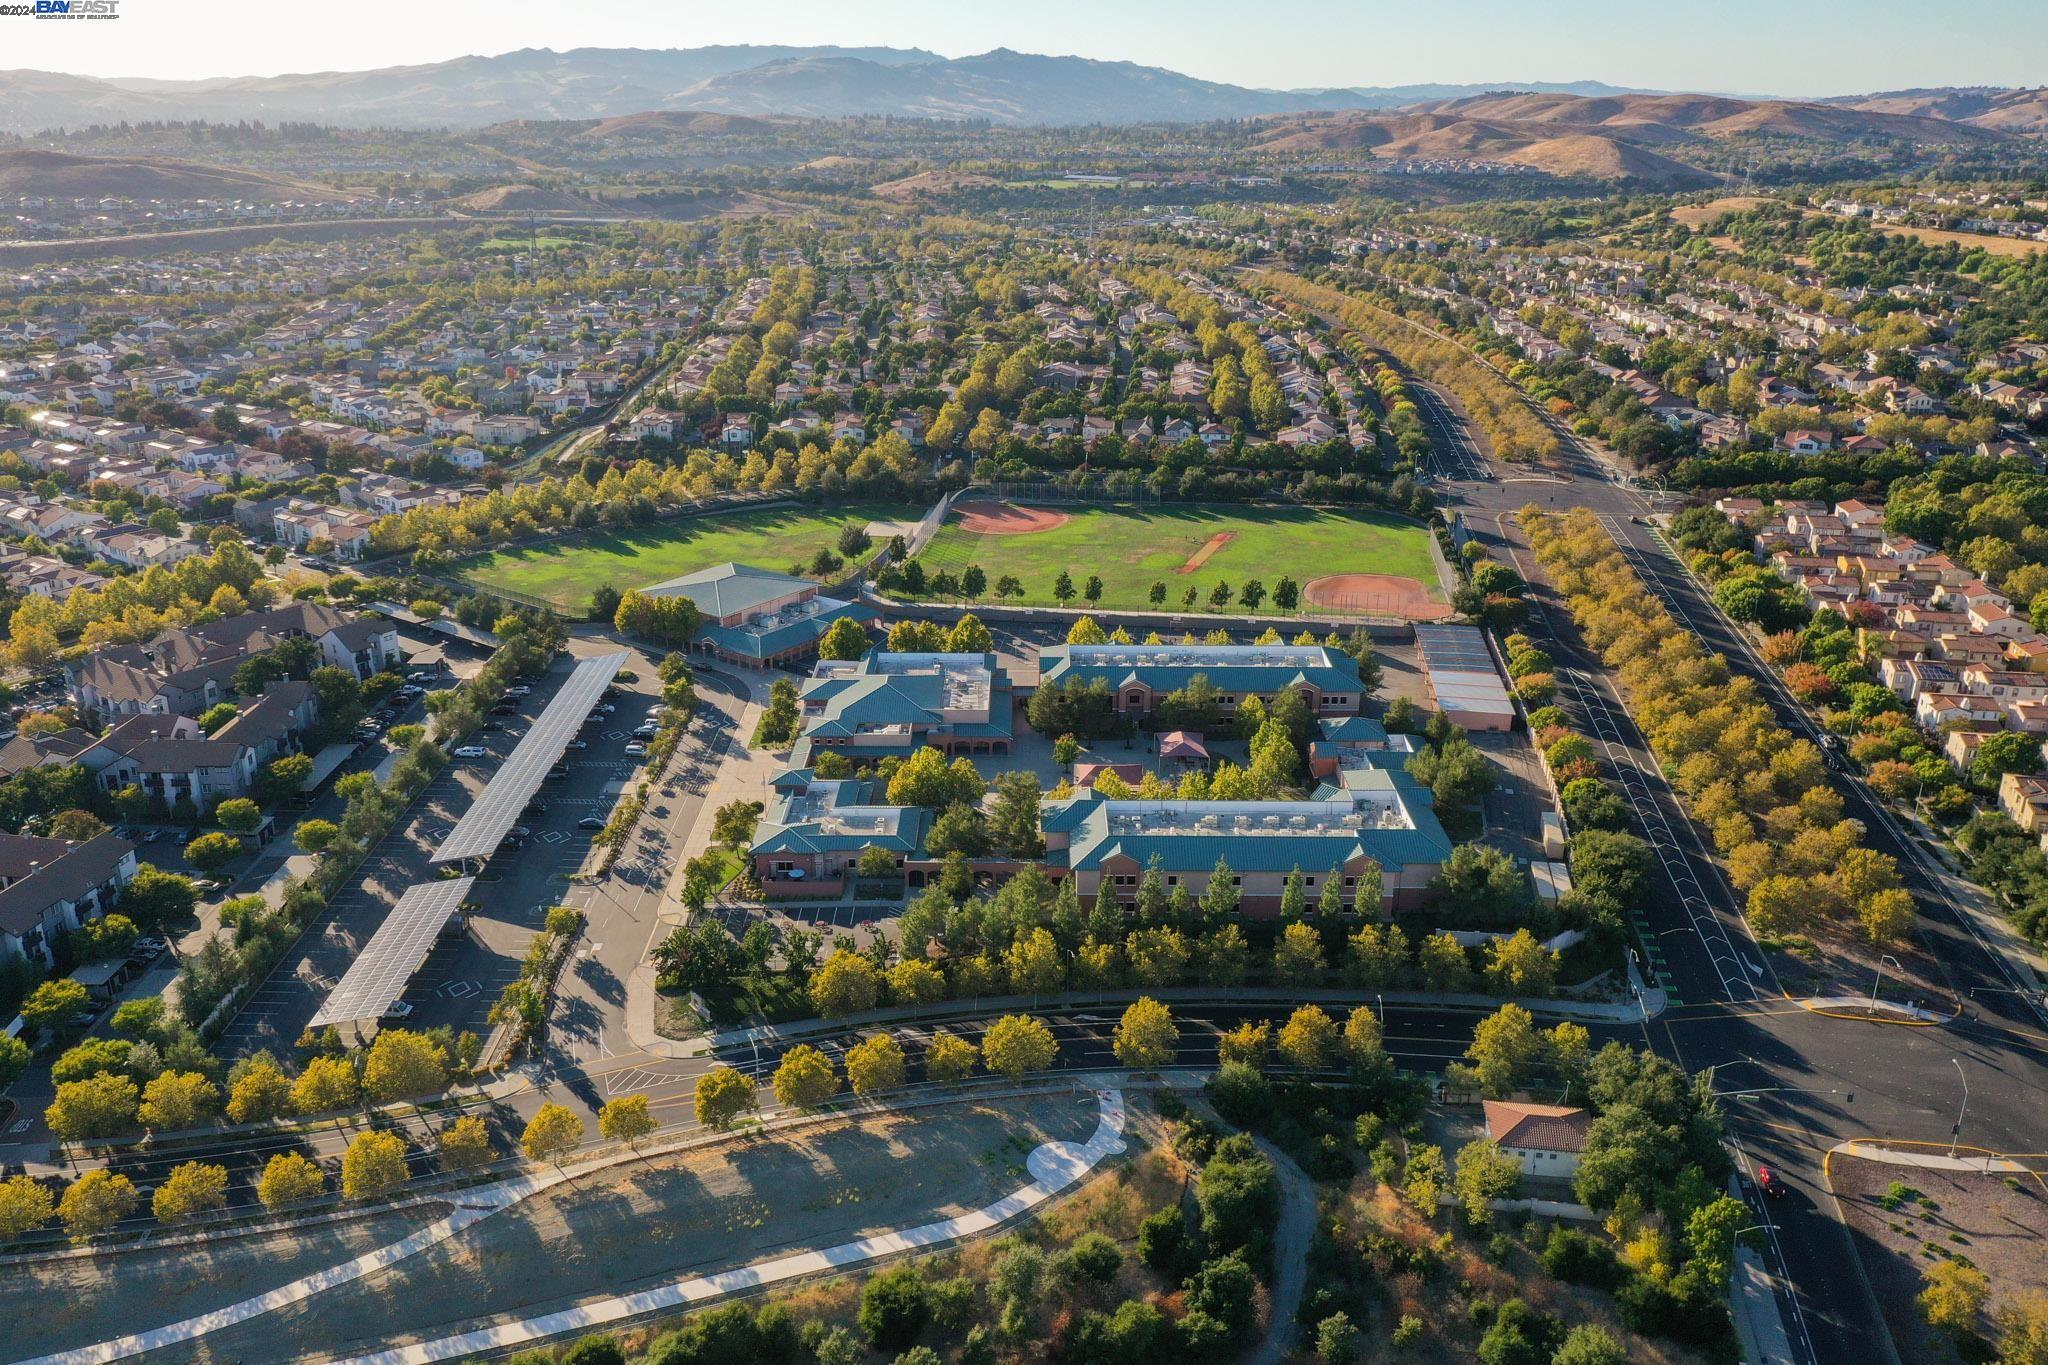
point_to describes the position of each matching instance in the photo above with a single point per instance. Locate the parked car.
(396, 1010)
(579, 744)
(636, 750)
(535, 808)
(590, 822)
(519, 690)
(647, 731)
(470, 751)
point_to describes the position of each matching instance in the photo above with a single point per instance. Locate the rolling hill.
(59, 175)
(2007, 111)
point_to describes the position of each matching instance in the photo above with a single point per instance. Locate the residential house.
(51, 887)
(1545, 1139)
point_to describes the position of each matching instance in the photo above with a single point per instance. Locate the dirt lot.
(643, 1224)
(1699, 215)
(1903, 1219)
(53, 1305)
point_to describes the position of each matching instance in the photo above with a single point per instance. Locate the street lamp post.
(1955, 1135)
(1887, 957)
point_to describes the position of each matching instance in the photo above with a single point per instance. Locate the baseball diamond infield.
(1196, 547)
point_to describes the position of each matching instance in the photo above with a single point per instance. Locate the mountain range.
(585, 83)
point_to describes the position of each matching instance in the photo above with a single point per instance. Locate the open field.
(566, 571)
(1183, 547)
(1698, 215)
(1995, 246)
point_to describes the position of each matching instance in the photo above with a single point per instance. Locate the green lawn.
(566, 571)
(1132, 548)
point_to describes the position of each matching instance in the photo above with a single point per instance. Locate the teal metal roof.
(1231, 668)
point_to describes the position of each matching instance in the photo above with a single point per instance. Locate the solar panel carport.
(1463, 679)
(491, 817)
(387, 962)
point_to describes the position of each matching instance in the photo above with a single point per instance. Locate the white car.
(636, 750)
(397, 1010)
(470, 751)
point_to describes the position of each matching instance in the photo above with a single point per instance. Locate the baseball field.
(1350, 561)
(567, 571)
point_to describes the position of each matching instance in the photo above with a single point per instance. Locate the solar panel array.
(1458, 649)
(491, 817)
(394, 952)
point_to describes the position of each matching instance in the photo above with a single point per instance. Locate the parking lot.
(471, 964)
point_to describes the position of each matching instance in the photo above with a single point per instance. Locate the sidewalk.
(1874, 1011)
(1867, 1150)
(1754, 1300)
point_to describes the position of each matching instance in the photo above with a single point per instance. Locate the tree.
(52, 1004)
(213, 851)
(404, 1065)
(1308, 1039)
(25, 1205)
(1590, 1344)
(1032, 962)
(95, 1202)
(1485, 1173)
(1086, 632)
(948, 1058)
(96, 1107)
(875, 1063)
(1063, 589)
(14, 1059)
(1711, 1230)
(723, 1094)
(1519, 965)
(847, 639)
(1427, 1179)
(1016, 1044)
(627, 1119)
(374, 1164)
(847, 983)
(552, 1133)
(1337, 1341)
(1146, 1037)
(192, 1187)
(289, 1179)
(1364, 1040)
(969, 635)
(327, 1083)
(894, 1307)
(1954, 1297)
(1298, 956)
(1505, 1047)
(805, 1079)
(1013, 823)
(2023, 1329)
(1238, 1194)
(465, 1145)
(239, 814)
(258, 1090)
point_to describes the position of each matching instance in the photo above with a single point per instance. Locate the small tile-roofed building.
(1141, 676)
(756, 616)
(1547, 1139)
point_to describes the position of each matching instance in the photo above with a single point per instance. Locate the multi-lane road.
(1823, 1079)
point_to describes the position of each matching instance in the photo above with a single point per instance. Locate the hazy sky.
(1788, 47)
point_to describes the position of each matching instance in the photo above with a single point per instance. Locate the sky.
(1779, 47)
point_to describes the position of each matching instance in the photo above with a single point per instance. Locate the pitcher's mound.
(1379, 593)
(1007, 519)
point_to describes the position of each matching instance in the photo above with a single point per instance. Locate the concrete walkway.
(1054, 1166)
(1874, 1011)
(1868, 1150)
(1757, 1320)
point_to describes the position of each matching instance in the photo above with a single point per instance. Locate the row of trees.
(1761, 792)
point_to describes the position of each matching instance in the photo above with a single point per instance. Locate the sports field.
(1364, 561)
(566, 572)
